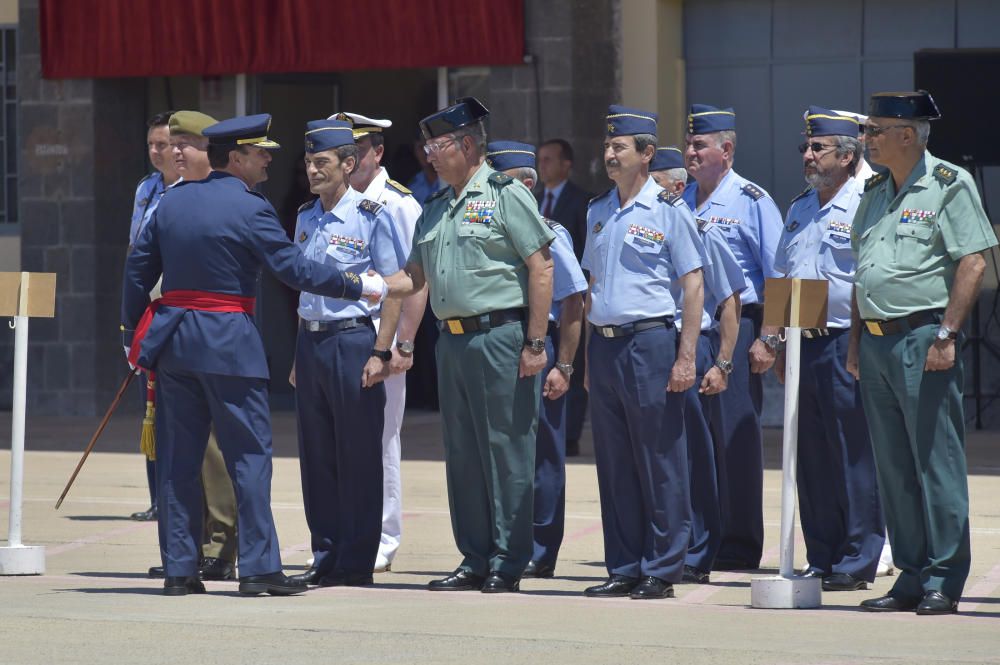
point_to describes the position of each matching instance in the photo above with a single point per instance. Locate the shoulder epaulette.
(305, 206)
(370, 206)
(804, 192)
(552, 224)
(704, 225)
(753, 191)
(944, 174)
(438, 193)
(600, 196)
(874, 181)
(668, 197)
(399, 187)
(501, 179)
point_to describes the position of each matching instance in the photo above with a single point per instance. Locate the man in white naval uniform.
(373, 181)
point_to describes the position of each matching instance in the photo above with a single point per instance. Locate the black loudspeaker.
(964, 83)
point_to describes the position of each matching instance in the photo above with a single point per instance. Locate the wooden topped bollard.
(22, 295)
(793, 304)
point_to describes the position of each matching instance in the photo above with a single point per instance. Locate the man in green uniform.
(918, 238)
(483, 249)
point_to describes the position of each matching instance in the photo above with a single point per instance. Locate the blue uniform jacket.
(213, 235)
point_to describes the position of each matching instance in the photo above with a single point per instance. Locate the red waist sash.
(202, 301)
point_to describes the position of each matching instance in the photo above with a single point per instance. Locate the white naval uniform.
(405, 210)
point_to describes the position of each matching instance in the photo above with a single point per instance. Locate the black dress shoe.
(539, 570)
(694, 576)
(652, 587)
(460, 580)
(812, 571)
(617, 586)
(890, 603)
(182, 586)
(276, 584)
(146, 515)
(499, 582)
(352, 579)
(734, 564)
(843, 582)
(156, 572)
(310, 577)
(216, 570)
(936, 602)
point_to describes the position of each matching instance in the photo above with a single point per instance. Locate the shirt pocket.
(640, 254)
(473, 245)
(914, 241)
(837, 249)
(345, 257)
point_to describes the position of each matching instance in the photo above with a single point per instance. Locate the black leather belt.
(636, 326)
(340, 324)
(482, 322)
(903, 324)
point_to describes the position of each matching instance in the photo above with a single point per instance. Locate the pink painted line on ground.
(983, 587)
(4, 503)
(586, 531)
(96, 538)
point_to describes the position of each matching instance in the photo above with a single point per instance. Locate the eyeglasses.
(871, 130)
(817, 148)
(434, 148)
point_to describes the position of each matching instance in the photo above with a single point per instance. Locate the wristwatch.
(536, 345)
(565, 368)
(384, 356)
(405, 348)
(944, 332)
(772, 342)
(725, 365)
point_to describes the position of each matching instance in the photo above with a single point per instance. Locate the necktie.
(547, 208)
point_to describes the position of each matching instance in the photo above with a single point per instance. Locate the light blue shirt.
(353, 238)
(816, 244)
(567, 278)
(751, 223)
(723, 275)
(147, 197)
(634, 254)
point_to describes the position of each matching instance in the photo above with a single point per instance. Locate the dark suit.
(571, 211)
(214, 235)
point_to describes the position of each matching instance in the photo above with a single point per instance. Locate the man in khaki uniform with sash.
(918, 239)
(482, 248)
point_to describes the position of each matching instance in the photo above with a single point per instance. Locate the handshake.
(373, 288)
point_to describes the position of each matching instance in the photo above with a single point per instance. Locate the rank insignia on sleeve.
(351, 277)
(479, 212)
(792, 226)
(597, 227)
(370, 206)
(944, 174)
(302, 236)
(917, 216)
(753, 191)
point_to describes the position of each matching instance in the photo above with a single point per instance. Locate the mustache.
(611, 162)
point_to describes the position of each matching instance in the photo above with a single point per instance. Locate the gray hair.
(923, 130)
(846, 144)
(642, 141)
(678, 174)
(476, 131)
(723, 136)
(525, 173)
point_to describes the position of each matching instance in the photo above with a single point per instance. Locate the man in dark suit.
(562, 201)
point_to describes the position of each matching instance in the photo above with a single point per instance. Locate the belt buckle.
(455, 327)
(874, 328)
(606, 331)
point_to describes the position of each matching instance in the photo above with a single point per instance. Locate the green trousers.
(489, 418)
(917, 426)
(219, 523)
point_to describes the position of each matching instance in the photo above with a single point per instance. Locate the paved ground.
(95, 604)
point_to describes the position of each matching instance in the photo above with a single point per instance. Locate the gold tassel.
(147, 442)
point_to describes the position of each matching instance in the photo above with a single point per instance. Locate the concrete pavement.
(95, 603)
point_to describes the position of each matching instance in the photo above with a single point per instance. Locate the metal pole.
(20, 325)
(241, 94)
(793, 341)
(442, 87)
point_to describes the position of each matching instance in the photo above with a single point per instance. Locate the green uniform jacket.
(907, 245)
(472, 247)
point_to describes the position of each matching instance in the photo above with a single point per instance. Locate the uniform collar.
(647, 195)
(730, 180)
(346, 204)
(477, 183)
(917, 177)
(842, 200)
(375, 188)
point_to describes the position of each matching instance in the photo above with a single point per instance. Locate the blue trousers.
(641, 454)
(740, 458)
(699, 413)
(188, 405)
(841, 514)
(550, 469)
(340, 448)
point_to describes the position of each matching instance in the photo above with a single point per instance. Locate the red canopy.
(114, 38)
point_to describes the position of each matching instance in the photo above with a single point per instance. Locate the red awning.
(113, 38)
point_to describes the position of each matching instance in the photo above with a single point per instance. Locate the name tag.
(479, 212)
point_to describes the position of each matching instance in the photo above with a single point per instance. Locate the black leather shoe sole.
(258, 588)
(539, 571)
(145, 516)
(156, 573)
(460, 582)
(223, 572)
(619, 588)
(843, 582)
(182, 586)
(694, 576)
(889, 604)
(497, 583)
(652, 589)
(935, 603)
